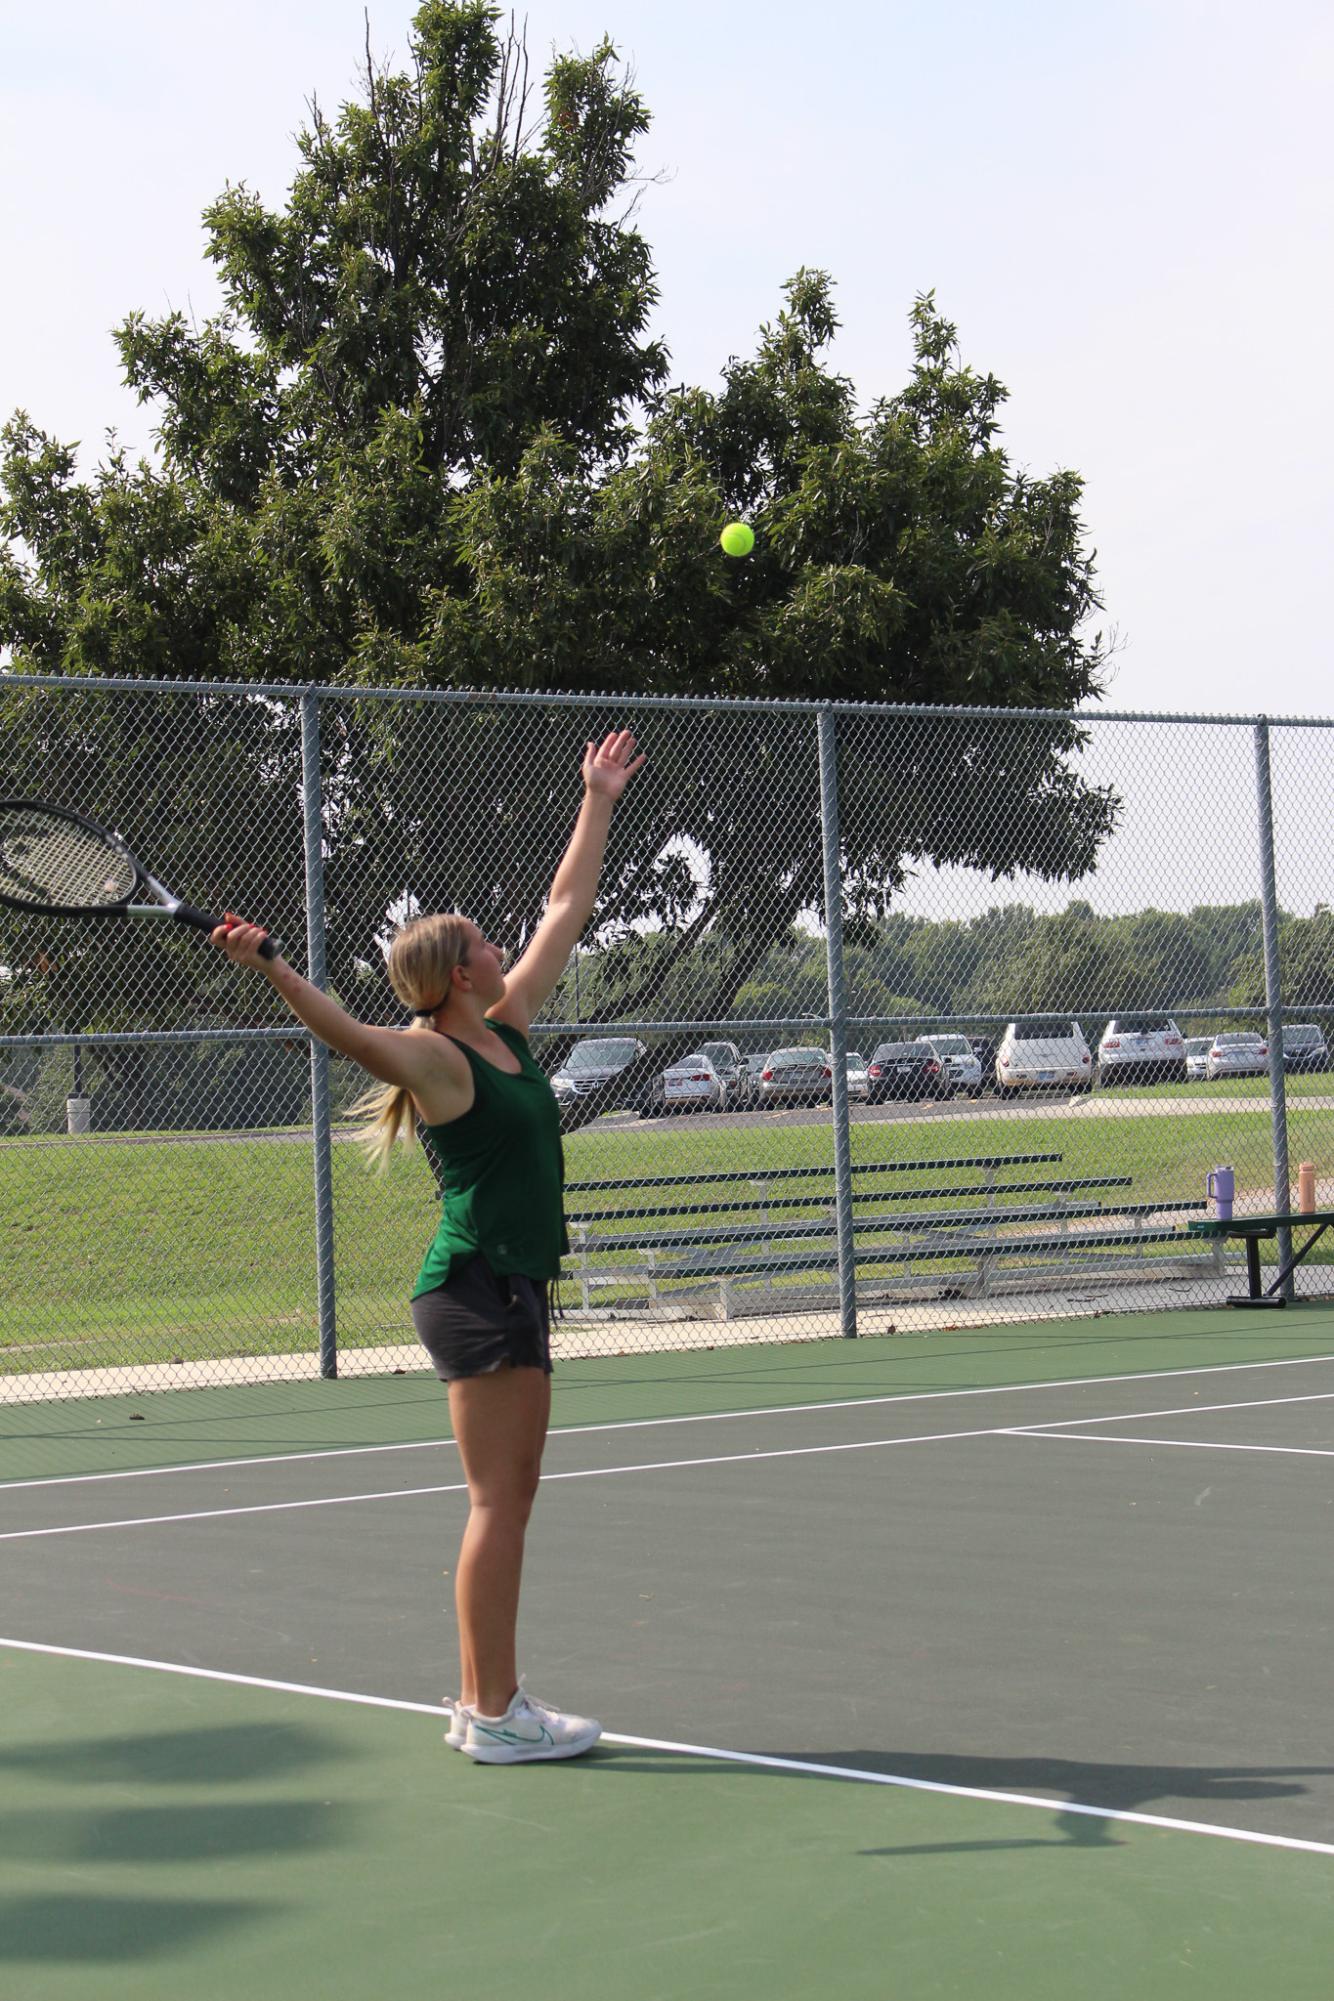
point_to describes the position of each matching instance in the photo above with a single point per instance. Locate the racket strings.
(47, 859)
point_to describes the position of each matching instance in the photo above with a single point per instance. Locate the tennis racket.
(63, 865)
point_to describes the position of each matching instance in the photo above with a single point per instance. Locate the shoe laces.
(535, 1702)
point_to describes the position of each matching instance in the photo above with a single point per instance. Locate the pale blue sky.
(1125, 207)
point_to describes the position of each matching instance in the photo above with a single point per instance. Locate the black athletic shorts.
(477, 1322)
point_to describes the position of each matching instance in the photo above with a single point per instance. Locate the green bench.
(1254, 1230)
(725, 1254)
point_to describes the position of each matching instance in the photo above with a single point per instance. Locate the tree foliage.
(1306, 956)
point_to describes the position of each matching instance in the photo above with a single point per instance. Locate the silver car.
(1242, 1053)
(1141, 1049)
(796, 1077)
(690, 1085)
(958, 1059)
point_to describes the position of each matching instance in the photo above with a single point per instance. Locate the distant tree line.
(1011, 960)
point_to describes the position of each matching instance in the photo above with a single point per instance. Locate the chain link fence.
(888, 1019)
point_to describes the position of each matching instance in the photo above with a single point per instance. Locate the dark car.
(1304, 1047)
(602, 1073)
(985, 1051)
(907, 1070)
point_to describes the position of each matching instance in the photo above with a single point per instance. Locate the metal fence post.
(317, 972)
(1278, 1091)
(838, 1034)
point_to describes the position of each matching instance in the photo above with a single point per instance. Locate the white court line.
(651, 1466)
(1183, 1444)
(460, 1486)
(801, 1765)
(1178, 1410)
(215, 1514)
(699, 1417)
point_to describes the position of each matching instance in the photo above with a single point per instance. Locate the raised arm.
(607, 770)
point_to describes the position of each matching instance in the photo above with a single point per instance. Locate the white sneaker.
(458, 1724)
(528, 1730)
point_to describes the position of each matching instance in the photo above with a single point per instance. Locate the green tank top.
(502, 1173)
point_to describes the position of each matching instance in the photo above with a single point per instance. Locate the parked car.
(956, 1053)
(1304, 1047)
(859, 1086)
(796, 1077)
(1141, 1049)
(907, 1070)
(1197, 1057)
(730, 1064)
(985, 1051)
(1240, 1053)
(1043, 1056)
(690, 1085)
(602, 1073)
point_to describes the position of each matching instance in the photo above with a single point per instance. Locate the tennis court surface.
(994, 1663)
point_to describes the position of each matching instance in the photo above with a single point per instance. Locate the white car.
(859, 1084)
(1043, 1056)
(958, 1059)
(1141, 1049)
(1197, 1057)
(1240, 1053)
(693, 1084)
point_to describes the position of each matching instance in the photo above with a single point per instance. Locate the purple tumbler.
(1221, 1184)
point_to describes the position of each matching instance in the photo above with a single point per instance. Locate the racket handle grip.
(201, 920)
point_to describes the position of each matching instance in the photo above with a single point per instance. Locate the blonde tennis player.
(481, 1303)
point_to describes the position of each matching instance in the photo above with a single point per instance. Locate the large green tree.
(443, 284)
(428, 443)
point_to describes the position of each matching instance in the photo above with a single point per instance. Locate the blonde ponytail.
(421, 960)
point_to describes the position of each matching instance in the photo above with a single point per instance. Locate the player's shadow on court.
(69, 1930)
(225, 1755)
(179, 1814)
(1176, 1792)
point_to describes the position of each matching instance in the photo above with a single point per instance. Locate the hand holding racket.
(245, 944)
(63, 865)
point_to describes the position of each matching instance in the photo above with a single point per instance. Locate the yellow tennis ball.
(737, 539)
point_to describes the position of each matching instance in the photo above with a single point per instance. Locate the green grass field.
(1305, 1084)
(119, 1252)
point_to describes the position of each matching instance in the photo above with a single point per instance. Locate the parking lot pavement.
(959, 1111)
